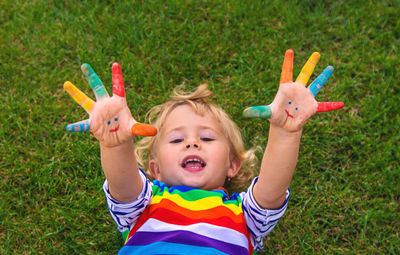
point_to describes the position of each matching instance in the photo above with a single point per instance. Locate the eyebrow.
(201, 127)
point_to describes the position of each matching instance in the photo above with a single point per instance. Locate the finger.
(308, 68)
(143, 129)
(287, 67)
(321, 80)
(80, 97)
(78, 126)
(117, 80)
(263, 111)
(94, 81)
(329, 106)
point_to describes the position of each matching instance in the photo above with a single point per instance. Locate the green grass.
(345, 192)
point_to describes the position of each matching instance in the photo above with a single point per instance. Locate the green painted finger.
(94, 81)
(263, 111)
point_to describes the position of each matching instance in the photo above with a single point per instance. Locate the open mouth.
(193, 163)
(288, 114)
(114, 130)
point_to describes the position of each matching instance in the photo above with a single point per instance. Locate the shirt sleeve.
(260, 222)
(127, 214)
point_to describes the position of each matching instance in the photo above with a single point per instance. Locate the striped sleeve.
(260, 222)
(127, 214)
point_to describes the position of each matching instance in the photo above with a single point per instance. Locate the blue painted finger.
(94, 81)
(78, 126)
(321, 80)
(263, 111)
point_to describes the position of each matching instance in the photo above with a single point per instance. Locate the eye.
(116, 119)
(207, 139)
(109, 122)
(179, 140)
(297, 108)
(290, 102)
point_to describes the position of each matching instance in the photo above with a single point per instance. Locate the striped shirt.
(181, 220)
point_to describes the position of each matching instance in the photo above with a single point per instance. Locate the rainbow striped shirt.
(184, 220)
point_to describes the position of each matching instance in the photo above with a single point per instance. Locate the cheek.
(223, 154)
(167, 156)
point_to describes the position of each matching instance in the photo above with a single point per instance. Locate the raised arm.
(293, 105)
(112, 124)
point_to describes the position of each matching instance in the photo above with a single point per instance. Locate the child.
(197, 151)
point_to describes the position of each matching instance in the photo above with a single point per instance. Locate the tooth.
(194, 160)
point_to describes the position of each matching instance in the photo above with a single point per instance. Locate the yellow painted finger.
(80, 97)
(308, 68)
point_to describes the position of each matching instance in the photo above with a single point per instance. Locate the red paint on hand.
(117, 80)
(114, 130)
(329, 106)
(288, 114)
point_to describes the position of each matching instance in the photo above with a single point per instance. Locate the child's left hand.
(294, 103)
(110, 119)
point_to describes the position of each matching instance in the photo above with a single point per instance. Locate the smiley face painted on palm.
(113, 125)
(294, 103)
(291, 109)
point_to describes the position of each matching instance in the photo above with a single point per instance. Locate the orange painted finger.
(308, 68)
(143, 129)
(287, 67)
(80, 97)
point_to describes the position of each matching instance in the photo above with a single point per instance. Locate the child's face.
(193, 151)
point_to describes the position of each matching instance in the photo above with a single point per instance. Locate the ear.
(154, 169)
(236, 164)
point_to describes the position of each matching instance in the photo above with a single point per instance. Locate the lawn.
(345, 194)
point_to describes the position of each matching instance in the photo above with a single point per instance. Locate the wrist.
(278, 130)
(117, 147)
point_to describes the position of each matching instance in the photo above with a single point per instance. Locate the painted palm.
(109, 120)
(294, 103)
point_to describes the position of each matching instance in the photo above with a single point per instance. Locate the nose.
(192, 142)
(194, 145)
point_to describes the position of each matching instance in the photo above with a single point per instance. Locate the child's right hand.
(294, 103)
(110, 120)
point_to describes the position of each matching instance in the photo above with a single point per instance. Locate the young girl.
(198, 150)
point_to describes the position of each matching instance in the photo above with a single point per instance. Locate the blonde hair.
(145, 149)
